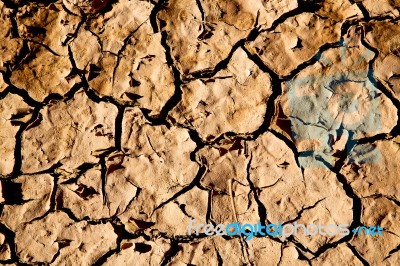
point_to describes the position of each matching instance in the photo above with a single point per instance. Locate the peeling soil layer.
(121, 121)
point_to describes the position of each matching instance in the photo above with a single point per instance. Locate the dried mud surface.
(120, 121)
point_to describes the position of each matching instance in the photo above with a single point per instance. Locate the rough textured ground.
(122, 120)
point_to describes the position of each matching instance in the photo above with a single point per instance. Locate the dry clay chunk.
(49, 25)
(43, 74)
(382, 8)
(202, 33)
(264, 250)
(384, 213)
(139, 72)
(86, 197)
(223, 164)
(56, 239)
(12, 107)
(234, 100)
(71, 132)
(298, 38)
(30, 197)
(285, 190)
(331, 256)
(259, 251)
(157, 161)
(5, 253)
(207, 251)
(3, 84)
(231, 197)
(84, 57)
(373, 169)
(9, 46)
(383, 35)
(290, 256)
(140, 252)
(239, 206)
(117, 25)
(271, 161)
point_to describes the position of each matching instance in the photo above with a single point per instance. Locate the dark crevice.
(52, 199)
(9, 239)
(395, 250)
(378, 137)
(69, 12)
(118, 127)
(304, 6)
(280, 256)
(291, 146)
(378, 196)
(71, 37)
(303, 257)
(199, 175)
(209, 73)
(23, 54)
(194, 136)
(200, 7)
(357, 255)
(177, 96)
(182, 207)
(122, 234)
(11, 192)
(158, 6)
(262, 211)
(209, 207)
(43, 45)
(219, 258)
(103, 259)
(276, 92)
(171, 253)
(18, 143)
(104, 180)
(300, 213)
(25, 96)
(10, 4)
(82, 169)
(50, 170)
(313, 60)
(300, 246)
(14, 25)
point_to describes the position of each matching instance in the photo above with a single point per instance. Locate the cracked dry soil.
(120, 121)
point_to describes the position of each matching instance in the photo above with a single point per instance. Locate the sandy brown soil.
(122, 120)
